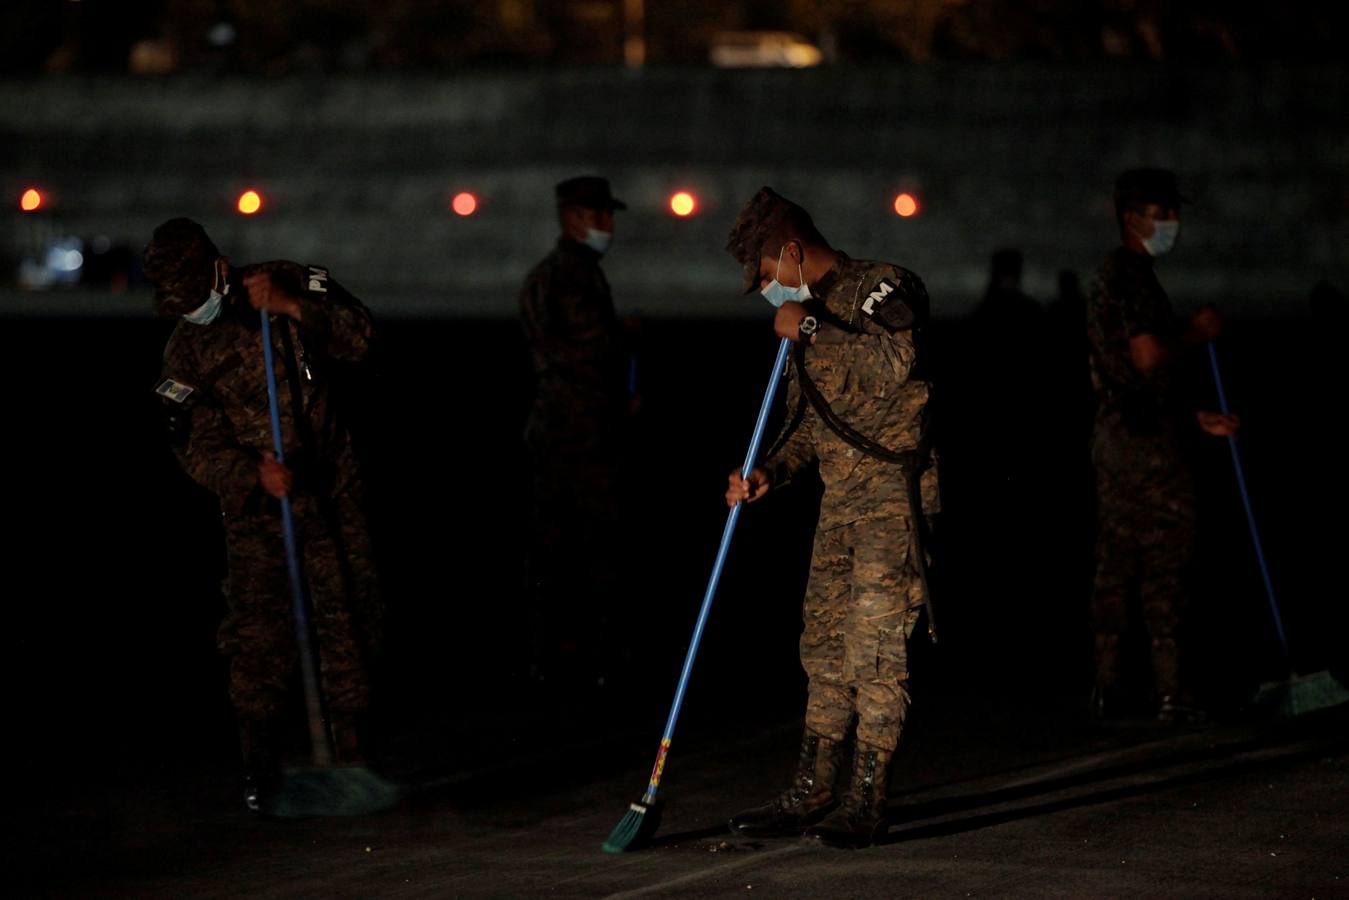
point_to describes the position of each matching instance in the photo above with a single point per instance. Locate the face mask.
(210, 310)
(597, 240)
(1163, 237)
(778, 293)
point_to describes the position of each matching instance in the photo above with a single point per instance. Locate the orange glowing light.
(464, 203)
(30, 200)
(250, 202)
(906, 205)
(683, 204)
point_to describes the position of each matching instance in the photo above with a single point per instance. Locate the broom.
(322, 789)
(1295, 694)
(642, 819)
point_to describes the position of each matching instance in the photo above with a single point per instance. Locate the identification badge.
(172, 390)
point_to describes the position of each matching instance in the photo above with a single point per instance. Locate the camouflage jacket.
(867, 373)
(214, 390)
(1127, 300)
(575, 343)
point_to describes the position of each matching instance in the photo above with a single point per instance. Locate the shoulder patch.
(898, 301)
(174, 390)
(317, 280)
(878, 295)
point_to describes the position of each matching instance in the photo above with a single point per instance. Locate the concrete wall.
(357, 172)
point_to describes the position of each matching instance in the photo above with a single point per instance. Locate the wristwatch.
(809, 325)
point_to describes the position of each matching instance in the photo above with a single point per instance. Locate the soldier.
(857, 405)
(214, 395)
(574, 437)
(1145, 491)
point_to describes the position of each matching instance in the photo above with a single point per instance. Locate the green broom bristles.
(1301, 694)
(336, 791)
(635, 828)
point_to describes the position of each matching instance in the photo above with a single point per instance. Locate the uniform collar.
(834, 287)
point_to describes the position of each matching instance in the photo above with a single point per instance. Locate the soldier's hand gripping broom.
(643, 816)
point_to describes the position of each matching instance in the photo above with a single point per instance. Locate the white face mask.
(1163, 237)
(778, 293)
(209, 311)
(597, 240)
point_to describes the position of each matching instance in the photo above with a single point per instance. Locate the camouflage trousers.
(862, 602)
(1145, 539)
(258, 634)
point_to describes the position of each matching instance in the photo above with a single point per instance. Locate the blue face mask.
(209, 311)
(1163, 237)
(597, 240)
(778, 293)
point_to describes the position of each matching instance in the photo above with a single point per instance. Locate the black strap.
(797, 417)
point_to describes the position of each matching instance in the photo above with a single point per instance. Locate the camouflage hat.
(1148, 186)
(180, 263)
(761, 219)
(589, 191)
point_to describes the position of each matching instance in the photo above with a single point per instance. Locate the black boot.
(809, 799)
(1180, 710)
(261, 766)
(860, 818)
(348, 735)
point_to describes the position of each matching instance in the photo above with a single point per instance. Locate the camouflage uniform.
(573, 437)
(864, 594)
(214, 392)
(1145, 491)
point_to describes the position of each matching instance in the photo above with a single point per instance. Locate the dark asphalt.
(982, 804)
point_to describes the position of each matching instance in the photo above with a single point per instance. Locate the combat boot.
(261, 768)
(349, 745)
(810, 797)
(1179, 710)
(860, 819)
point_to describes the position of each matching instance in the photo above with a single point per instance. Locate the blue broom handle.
(765, 408)
(1246, 502)
(322, 753)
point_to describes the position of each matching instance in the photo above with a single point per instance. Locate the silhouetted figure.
(1004, 308)
(1066, 483)
(1145, 487)
(1003, 400)
(574, 438)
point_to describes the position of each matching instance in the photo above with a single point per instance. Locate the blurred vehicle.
(763, 49)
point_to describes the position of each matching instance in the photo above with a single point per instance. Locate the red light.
(683, 204)
(464, 203)
(250, 202)
(30, 200)
(906, 205)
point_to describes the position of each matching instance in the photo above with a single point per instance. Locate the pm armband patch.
(175, 391)
(879, 294)
(317, 280)
(891, 304)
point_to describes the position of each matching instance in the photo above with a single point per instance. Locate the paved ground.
(994, 804)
